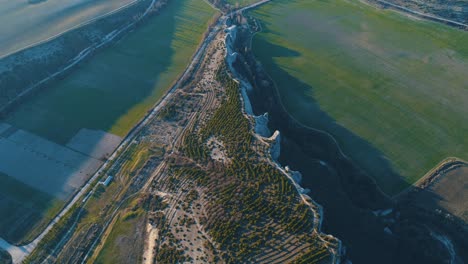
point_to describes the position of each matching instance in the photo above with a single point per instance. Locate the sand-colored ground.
(217, 150)
(152, 236)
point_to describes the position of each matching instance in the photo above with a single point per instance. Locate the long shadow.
(99, 93)
(361, 151)
(345, 192)
(348, 195)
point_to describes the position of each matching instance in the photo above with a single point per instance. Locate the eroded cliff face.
(263, 133)
(349, 196)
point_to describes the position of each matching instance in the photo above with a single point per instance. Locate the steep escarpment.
(373, 227)
(263, 134)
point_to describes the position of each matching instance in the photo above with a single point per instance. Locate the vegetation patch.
(48, 243)
(125, 242)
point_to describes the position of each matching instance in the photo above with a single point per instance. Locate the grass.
(24, 209)
(139, 155)
(115, 88)
(121, 239)
(391, 89)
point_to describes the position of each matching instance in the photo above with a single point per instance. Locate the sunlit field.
(390, 88)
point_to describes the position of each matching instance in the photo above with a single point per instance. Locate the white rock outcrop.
(261, 125)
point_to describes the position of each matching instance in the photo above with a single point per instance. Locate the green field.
(115, 88)
(125, 242)
(23, 209)
(393, 90)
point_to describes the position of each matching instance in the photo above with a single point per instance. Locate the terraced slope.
(391, 89)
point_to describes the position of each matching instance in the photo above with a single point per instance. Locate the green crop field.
(115, 88)
(393, 90)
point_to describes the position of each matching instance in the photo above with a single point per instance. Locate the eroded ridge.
(221, 198)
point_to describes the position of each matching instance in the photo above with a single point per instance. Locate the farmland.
(46, 19)
(110, 92)
(114, 89)
(389, 88)
(125, 242)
